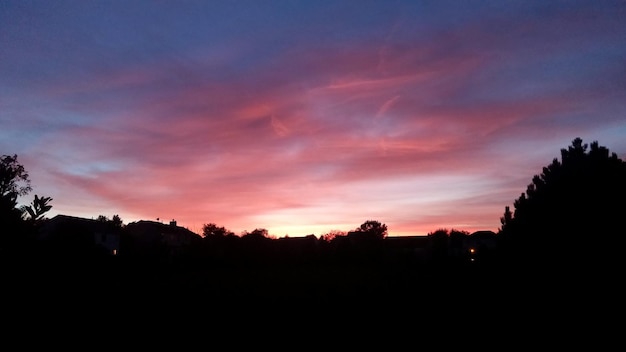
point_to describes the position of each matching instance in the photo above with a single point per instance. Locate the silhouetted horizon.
(304, 117)
(554, 260)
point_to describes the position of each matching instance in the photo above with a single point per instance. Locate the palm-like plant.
(38, 208)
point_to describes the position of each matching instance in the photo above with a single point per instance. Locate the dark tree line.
(556, 255)
(365, 242)
(570, 216)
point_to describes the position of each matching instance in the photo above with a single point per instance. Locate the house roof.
(484, 234)
(58, 221)
(147, 229)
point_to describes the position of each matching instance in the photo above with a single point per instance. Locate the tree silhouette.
(37, 208)
(439, 244)
(14, 182)
(258, 233)
(571, 212)
(331, 235)
(372, 228)
(117, 221)
(212, 230)
(365, 243)
(114, 223)
(507, 218)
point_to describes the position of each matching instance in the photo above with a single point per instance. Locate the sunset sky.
(305, 117)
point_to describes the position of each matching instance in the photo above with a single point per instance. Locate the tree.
(330, 236)
(37, 208)
(439, 244)
(212, 230)
(117, 221)
(507, 218)
(365, 243)
(258, 233)
(571, 211)
(14, 182)
(373, 229)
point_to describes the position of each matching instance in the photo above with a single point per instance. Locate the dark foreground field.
(315, 302)
(119, 289)
(260, 284)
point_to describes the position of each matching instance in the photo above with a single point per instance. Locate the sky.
(305, 117)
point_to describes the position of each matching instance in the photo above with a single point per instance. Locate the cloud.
(386, 106)
(226, 127)
(280, 129)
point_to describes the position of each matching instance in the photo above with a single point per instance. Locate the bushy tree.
(212, 230)
(372, 229)
(446, 242)
(439, 244)
(365, 243)
(14, 182)
(117, 221)
(258, 233)
(571, 211)
(331, 235)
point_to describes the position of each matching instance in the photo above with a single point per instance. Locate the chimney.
(173, 223)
